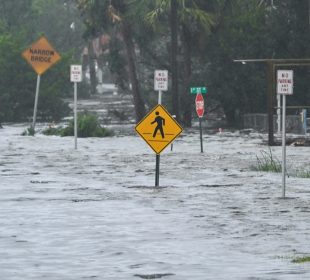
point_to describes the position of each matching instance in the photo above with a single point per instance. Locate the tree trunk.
(186, 99)
(92, 68)
(174, 54)
(138, 102)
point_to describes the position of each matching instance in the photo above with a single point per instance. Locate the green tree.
(252, 29)
(21, 22)
(14, 76)
(240, 34)
(186, 19)
(16, 15)
(174, 55)
(60, 21)
(106, 16)
(209, 35)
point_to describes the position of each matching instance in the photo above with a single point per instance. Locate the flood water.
(94, 213)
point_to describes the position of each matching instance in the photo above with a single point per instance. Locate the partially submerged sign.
(158, 129)
(41, 55)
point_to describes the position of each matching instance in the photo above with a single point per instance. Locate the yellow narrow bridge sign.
(41, 55)
(158, 129)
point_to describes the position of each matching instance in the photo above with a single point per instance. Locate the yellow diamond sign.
(41, 55)
(158, 129)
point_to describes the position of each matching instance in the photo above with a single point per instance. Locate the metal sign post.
(75, 115)
(158, 129)
(200, 111)
(201, 142)
(284, 87)
(171, 146)
(36, 103)
(304, 120)
(75, 77)
(160, 93)
(283, 145)
(279, 113)
(160, 84)
(157, 155)
(199, 108)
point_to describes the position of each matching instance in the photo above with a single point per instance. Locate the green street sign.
(196, 90)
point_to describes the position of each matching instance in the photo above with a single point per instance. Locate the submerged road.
(94, 213)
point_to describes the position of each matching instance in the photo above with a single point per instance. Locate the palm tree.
(174, 55)
(185, 17)
(101, 16)
(118, 11)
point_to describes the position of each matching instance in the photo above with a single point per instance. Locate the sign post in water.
(199, 102)
(41, 56)
(284, 87)
(200, 110)
(158, 129)
(75, 77)
(160, 85)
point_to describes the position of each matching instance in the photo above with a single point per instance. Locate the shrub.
(52, 131)
(267, 163)
(301, 259)
(29, 131)
(87, 126)
(303, 173)
(270, 164)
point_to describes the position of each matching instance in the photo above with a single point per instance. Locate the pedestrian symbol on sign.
(158, 129)
(160, 123)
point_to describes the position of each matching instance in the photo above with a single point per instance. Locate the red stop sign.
(199, 105)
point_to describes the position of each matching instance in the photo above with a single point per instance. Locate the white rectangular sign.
(285, 82)
(76, 73)
(161, 80)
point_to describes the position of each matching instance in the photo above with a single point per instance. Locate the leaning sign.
(41, 56)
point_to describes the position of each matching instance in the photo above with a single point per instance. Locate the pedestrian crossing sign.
(158, 129)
